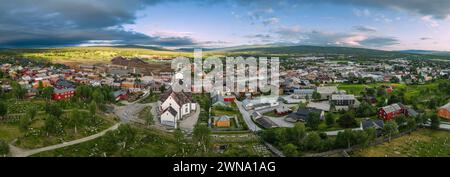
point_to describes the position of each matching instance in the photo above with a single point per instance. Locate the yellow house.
(222, 121)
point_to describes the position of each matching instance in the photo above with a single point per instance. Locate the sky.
(377, 24)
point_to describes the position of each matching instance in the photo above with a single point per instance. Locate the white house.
(175, 106)
(261, 103)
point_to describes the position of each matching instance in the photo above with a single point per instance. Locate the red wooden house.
(60, 94)
(120, 95)
(228, 99)
(391, 111)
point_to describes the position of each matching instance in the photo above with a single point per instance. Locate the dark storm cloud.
(68, 22)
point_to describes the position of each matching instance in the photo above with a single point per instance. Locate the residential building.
(65, 93)
(343, 99)
(444, 111)
(302, 114)
(222, 121)
(391, 111)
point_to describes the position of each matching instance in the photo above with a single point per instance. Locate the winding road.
(248, 120)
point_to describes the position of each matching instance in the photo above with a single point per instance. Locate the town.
(128, 107)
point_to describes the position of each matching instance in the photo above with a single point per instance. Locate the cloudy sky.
(379, 24)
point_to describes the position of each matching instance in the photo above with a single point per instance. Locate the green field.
(90, 54)
(422, 143)
(357, 89)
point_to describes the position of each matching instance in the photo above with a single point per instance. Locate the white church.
(175, 106)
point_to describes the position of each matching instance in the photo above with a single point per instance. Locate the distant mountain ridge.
(427, 52)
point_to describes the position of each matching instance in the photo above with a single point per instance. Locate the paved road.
(129, 112)
(189, 123)
(248, 120)
(280, 121)
(334, 133)
(18, 152)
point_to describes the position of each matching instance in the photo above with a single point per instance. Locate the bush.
(4, 148)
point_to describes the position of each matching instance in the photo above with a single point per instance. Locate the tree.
(330, 119)
(435, 122)
(52, 125)
(360, 137)
(40, 87)
(24, 123)
(420, 119)
(307, 98)
(54, 110)
(75, 119)
(149, 119)
(290, 150)
(381, 92)
(370, 91)
(365, 110)
(47, 92)
(17, 90)
(201, 136)
(3, 109)
(371, 134)
(180, 140)
(344, 139)
(126, 134)
(390, 129)
(316, 95)
(4, 148)
(432, 103)
(313, 121)
(93, 108)
(411, 124)
(394, 99)
(32, 112)
(395, 80)
(400, 120)
(236, 151)
(347, 120)
(312, 141)
(108, 143)
(162, 88)
(296, 134)
(98, 96)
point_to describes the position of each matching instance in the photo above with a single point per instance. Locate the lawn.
(9, 132)
(357, 89)
(421, 143)
(353, 88)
